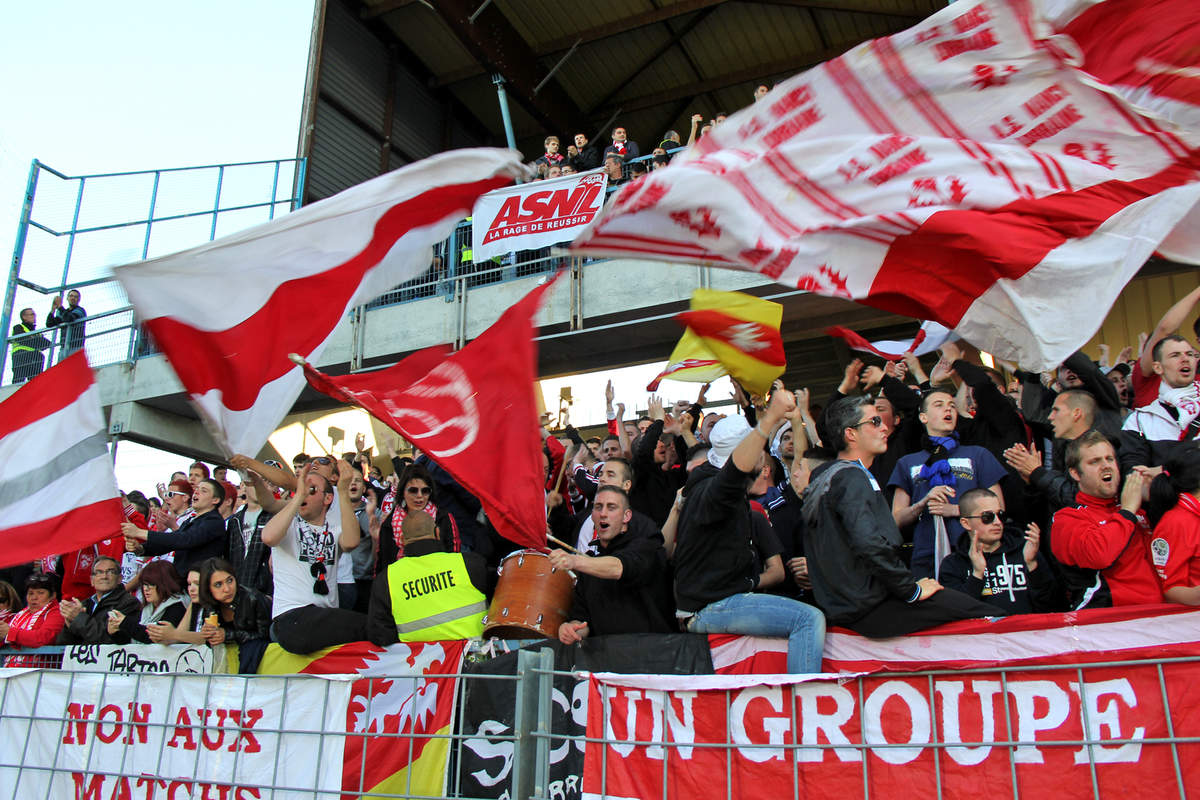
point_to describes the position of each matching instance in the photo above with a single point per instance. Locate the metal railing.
(530, 746)
(74, 228)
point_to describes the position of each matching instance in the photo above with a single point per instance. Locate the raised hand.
(1033, 539)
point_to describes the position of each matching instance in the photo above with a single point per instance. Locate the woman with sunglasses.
(234, 613)
(998, 563)
(1175, 513)
(415, 492)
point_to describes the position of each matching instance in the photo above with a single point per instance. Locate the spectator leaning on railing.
(27, 347)
(71, 318)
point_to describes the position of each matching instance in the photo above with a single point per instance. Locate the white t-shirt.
(291, 562)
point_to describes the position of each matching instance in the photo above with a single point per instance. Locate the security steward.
(27, 359)
(429, 595)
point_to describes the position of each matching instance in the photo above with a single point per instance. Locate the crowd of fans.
(909, 500)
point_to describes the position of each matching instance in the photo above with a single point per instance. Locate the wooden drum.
(532, 598)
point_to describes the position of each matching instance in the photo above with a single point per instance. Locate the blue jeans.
(754, 614)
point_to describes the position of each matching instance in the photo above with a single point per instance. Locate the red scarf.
(398, 520)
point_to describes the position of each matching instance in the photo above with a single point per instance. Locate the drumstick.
(563, 544)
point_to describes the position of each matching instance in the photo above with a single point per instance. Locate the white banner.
(143, 658)
(536, 214)
(94, 736)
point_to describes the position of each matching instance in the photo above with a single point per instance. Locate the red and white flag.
(228, 313)
(473, 412)
(965, 171)
(930, 337)
(58, 492)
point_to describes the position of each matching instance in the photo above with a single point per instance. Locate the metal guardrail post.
(10, 291)
(524, 721)
(545, 717)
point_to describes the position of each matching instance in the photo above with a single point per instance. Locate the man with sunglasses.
(998, 563)
(306, 549)
(201, 537)
(87, 620)
(853, 545)
(929, 482)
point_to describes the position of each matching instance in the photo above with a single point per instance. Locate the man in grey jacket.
(853, 543)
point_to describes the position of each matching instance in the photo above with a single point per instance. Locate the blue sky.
(98, 87)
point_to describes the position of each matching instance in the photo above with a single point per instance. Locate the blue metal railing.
(74, 227)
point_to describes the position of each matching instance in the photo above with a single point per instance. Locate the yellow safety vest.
(16, 348)
(433, 598)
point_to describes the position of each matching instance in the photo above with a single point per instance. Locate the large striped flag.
(228, 313)
(58, 492)
(728, 333)
(967, 171)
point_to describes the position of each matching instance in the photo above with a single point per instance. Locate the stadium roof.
(647, 64)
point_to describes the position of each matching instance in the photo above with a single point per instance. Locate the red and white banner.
(473, 412)
(536, 214)
(894, 735)
(95, 736)
(401, 712)
(965, 171)
(58, 492)
(227, 313)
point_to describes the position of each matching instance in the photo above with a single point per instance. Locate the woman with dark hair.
(10, 601)
(415, 492)
(164, 599)
(234, 613)
(1175, 513)
(187, 630)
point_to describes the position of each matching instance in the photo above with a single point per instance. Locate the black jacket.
(250, 562)
(638, 601)
(653, 487)
(91, 626)
(1006, 584)
(714, 550)
(852, 544)
(251, 616)
(1036, 399)
(199, 538)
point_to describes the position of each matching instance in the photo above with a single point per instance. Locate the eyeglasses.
(987, 517)
(876, 421)
(106, 572)
(422, 490)
(177, 494)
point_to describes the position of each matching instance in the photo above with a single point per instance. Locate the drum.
(532, 598)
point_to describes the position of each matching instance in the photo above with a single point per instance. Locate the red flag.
(473, 412)
(57, 488)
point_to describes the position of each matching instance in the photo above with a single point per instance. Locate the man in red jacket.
(1103, 544)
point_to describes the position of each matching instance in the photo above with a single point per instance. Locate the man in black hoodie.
(996, 563)
(715, 562)
(625, 588)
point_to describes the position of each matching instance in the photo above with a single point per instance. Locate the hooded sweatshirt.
(1006, 583)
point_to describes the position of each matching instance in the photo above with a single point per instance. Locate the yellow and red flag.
(728, 333)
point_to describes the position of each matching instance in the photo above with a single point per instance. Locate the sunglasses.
(322, 460)
(178, 494)
(987, 517)
(314, 490)
(876, 421)
(422, 490)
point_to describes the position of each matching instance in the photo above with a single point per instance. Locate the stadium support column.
(498, 79)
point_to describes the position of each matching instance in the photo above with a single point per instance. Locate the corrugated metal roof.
(631, 55)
